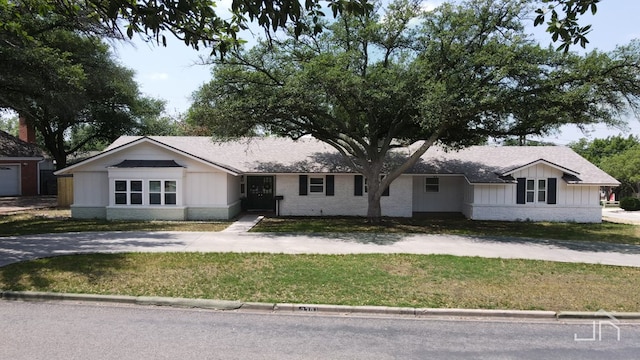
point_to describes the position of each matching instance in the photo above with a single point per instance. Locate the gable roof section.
(487, 164)
(12, 147)
(125, 142)
(479, 164)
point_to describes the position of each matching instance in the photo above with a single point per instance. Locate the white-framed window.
(145, 192)
(538, 187)
(128, 192)
(432, 184)
(316, 184)
(162, 192)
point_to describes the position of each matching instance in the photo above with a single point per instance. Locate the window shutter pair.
(303, 181)
(358, 186)
(552, 190)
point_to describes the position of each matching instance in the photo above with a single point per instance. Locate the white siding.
(449, 198)
(205, 189)
(91, 189)
(344, 202)
(498, 202)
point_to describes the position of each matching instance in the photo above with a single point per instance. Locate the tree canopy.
(618, 156)
(395, 77)
(70, 89)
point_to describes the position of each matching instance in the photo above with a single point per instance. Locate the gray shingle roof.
(11, 146)
(480, 164)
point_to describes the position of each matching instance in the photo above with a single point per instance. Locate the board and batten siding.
(449, 197)
(343, 202)
(576, 203)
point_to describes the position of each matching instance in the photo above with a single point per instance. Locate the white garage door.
(9, 180)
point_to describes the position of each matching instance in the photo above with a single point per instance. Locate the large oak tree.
(397, 77)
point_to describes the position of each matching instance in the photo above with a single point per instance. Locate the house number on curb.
(307, 308)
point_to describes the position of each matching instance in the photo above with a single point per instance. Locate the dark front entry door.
(260, 193)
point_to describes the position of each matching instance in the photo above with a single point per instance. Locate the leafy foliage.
(630, 204)
(195, 22)
(618, 156)
(567, 29)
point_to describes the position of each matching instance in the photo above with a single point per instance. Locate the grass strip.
(438, 281)
(59, 221)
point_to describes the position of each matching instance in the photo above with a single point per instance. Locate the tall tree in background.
(391, 78)
(618, 156)
(67, 84)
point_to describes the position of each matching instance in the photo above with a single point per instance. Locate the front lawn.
(604, 232)
(439, 281)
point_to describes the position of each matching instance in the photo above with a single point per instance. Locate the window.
(542, 190)
(157, 192)
(316, 184)
(128, 192)
(162, 192)
(432, 184)
(531, 191)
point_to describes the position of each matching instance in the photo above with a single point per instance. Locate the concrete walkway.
(20, 248)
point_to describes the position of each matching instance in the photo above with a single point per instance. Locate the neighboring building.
(20, 164)
(196, 178)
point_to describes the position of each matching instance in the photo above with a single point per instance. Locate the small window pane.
(121, 198)
(170, 186)
(154, 199)
(121, 185)
(542, 196)
(531, 185)
(154, 186)
(542, 184)
(136, 198)
(316, 188)
(170, 199)
(316, 181)
(530, 195)
(432, 184)
(136, 186)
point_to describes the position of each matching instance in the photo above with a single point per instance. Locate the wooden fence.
(65, 191)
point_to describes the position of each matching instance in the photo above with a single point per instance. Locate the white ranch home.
(196, 178)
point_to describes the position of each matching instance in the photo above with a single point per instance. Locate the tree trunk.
(374, 210)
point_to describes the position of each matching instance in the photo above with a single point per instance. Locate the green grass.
(604, 232)
(391, 280)
(58, 221)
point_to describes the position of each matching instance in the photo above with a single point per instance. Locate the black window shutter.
(521, 191)
(357, 185)
(303, 185)
(330, 190)
(552, 190)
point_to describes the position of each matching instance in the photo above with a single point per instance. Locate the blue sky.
(171, 73)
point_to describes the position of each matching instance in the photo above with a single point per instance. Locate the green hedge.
(630, 204)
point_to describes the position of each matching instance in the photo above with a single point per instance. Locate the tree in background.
(71, 90)
(616, 155)
(370, 83)
(9, 124)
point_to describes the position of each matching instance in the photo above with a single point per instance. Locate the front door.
(260, 193)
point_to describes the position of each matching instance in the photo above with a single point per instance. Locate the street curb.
(594, 315)
(291, 307)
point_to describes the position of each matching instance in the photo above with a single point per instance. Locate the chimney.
(26, 131)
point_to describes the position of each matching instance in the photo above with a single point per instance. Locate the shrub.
(630, 204)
